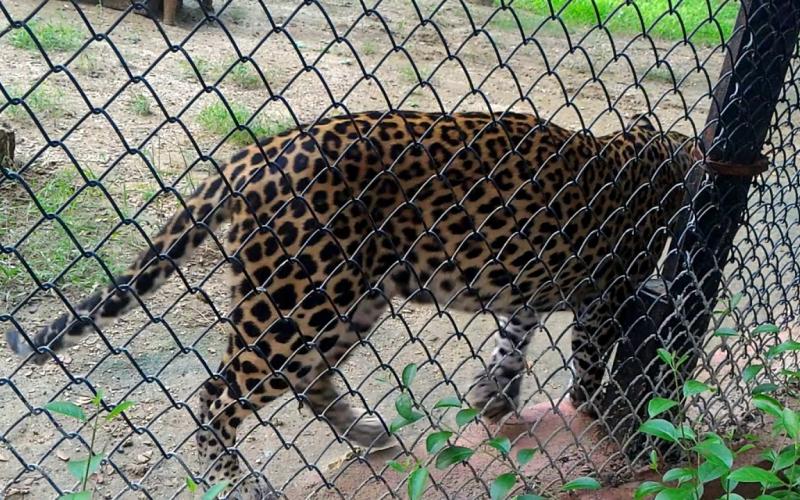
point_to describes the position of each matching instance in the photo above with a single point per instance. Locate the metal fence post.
(675, 314)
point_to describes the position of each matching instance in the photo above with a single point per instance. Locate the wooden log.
(7, 144)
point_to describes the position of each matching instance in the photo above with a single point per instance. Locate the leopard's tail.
(206, 209)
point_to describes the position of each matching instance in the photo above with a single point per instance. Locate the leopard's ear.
(642, 120)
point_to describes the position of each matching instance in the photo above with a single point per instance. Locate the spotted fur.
(475, 212)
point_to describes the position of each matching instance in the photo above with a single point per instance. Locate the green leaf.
(78, 468)
(726, 331)
(405, 408)
(714, 449)
(501, 485)
(501, 444)
(768, 405)
(654, 460)
(466, 416)
(682, 492)
(786, 458)
(81, 495)
(409, 372)
(752, 474)
(117, 410)
(734, 300)
(657, 406)
(685, 431)
(97, 398)
(416, 483)
(791, 423)
(766, 328)
(679, 474)
(215, 490)
(709, 471)
(436, 441)
(66, 408)
(452, 455)
(398, 423)
(525, 455)
(789, 345)
(694, 387)
(647, 489)
(190, 484)
(448, 402)
(397, 466)
(666, 356)
(660, 428)
(790, 373)
(750, 372)
(764, 388)
(581, 484)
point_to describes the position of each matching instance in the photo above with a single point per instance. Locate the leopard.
(482, 212)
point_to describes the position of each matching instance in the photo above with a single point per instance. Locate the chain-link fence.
(112, 119)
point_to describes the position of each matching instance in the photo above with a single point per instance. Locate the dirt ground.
(574, 81)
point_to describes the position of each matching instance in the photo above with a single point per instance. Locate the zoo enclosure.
(91, 180)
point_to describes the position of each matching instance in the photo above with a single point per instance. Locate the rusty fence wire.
(110, 118)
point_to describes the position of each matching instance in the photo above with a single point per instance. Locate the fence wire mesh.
(118, 117)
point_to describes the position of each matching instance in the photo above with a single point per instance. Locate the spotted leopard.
(476, 212)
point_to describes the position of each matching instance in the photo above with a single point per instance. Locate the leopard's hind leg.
(496, 391)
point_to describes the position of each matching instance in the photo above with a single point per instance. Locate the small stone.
(62, 455)
(142, 458)
(3, 458)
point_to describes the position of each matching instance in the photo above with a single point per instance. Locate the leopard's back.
(467, 210)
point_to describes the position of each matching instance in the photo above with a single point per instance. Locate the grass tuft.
(140, 105)
(45, 101)
(245, 76)
(52, 35)
(48, 250)
(216, 119)
(713, 19)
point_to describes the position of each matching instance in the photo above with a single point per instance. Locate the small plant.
(709, 456)
(218, 120)
(82, 469)
(140, 105)
(245, 76)
(448, 455)
(52, 35)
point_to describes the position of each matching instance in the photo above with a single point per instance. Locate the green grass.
(88, 63)
(528, 21)
(369, 48)
(692, 13)
(49, 249)
(216, 119)
(237, 14)
(45, 102)
(245, 76)
(206, 69)
(140, 105)
(659, 75)
(52, 35)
